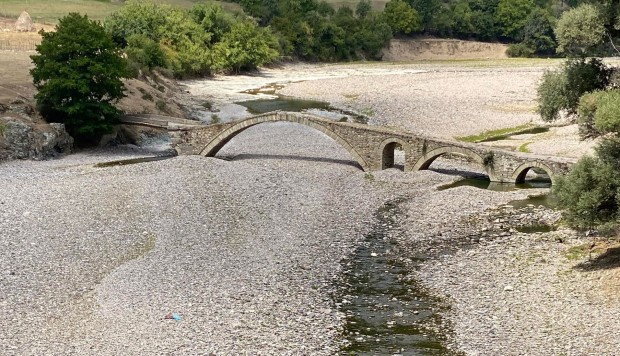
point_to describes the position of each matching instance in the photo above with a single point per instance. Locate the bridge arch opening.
(534, 173)
(459, 153)
(394, 152)
(224, 137)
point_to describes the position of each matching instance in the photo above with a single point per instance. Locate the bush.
(607, 114)
(245, 47)
(550, 95)
(519, 50)
(190, 43)
(589, 193)
(585, 114)
(144, 53)
(77, 72)
(561, 89)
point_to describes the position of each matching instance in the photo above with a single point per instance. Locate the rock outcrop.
(23, 136)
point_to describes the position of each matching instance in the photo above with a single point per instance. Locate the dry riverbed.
(247, 251)
(510, 293)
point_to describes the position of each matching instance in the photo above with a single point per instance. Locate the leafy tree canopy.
(401, 17)
(579, 30)
(513, 15)
(77, 73)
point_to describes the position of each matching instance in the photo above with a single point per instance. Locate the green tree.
(580, 30)
(513, 15)
(538, 32)
(363, 8)
(77, 73)
(246, 46)
(144, 54)
(401, 17)
(427, 10)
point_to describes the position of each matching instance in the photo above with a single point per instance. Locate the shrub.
(608, 151)
(561, 89)
(589, 193)
(550, 95)
(245, 47)
(585, 114)
(519, 50)
(144, 53)
(607, 114)
(401, 17)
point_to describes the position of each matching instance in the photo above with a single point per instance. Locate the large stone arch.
(427, 159)
(225, 136)
(518, 176)
(386, 152)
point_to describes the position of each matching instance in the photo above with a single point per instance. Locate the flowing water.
(386, 309)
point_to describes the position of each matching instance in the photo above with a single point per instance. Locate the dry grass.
(15, 80)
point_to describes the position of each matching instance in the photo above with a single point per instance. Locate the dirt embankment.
(401, 50)
(24, 134)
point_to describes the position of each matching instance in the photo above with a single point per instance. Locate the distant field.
(50, 11)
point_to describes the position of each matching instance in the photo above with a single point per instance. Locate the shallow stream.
(387, 311)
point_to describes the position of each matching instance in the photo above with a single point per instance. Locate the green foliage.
(427, 10)
(313, 31)
(580, 30)
(513, 15)
(143, 53)
(245, 47)
(401, 17)
(589, 193)
(561, 89)
(537, 33)
(193, 42)
(77, 72)
(520, 50)
(585, 114)
(551, 95)
(608, 151)
(489, 159)
(607, 114)
(363, 8)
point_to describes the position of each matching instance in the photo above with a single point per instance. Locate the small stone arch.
(225, 136)
(518, 176)
(428, 158)
(386, 152)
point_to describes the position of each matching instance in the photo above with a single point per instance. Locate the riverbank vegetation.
(586, 91)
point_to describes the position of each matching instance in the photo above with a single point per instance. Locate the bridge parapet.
(373, 147)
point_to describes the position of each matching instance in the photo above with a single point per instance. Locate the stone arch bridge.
(371, 146)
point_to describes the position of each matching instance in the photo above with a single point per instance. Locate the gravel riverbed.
(245, 250)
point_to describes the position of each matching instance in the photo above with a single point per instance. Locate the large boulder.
(20, 139)
(24, 135)
(24, 23)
